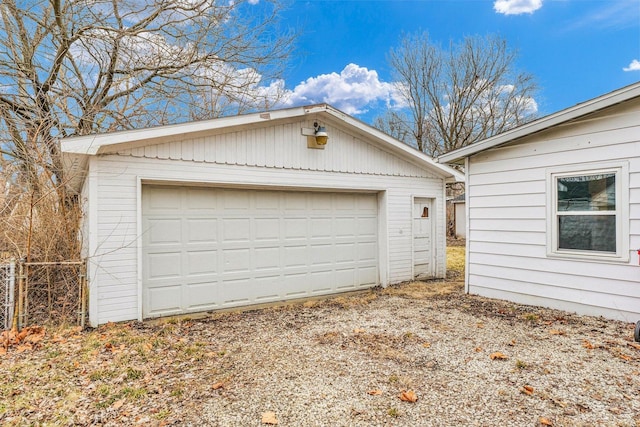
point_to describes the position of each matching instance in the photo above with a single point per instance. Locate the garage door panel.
(267, 258)
(235, 200)
(295, 201)
(320, 227)
(165, 299)
(321, 281)
(295, 228)
(343, 202)
(202, 294)
(163, 199)
(367, 227)
(321, 202)
(164, 265)
(321, 254)
(211, 248)
(346, 279)
(233, 292)
(236, 230)
(367, 251)
(202, 262)
(200, 199)
(345, 252)
(295, 256)
(266, 202)
(345, 227)
(367, 276)
(236, 260)
(290, 285)
(164, 230)
(202, 229)
(267, 228)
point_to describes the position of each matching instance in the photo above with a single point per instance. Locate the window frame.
(621, 212)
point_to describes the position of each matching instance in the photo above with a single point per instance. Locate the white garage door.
(207, 248)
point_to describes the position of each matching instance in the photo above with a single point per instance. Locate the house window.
(587, 217)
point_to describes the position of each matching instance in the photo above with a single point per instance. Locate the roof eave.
(580, 110)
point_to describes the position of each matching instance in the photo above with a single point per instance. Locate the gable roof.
(78, 149)
(572, 113)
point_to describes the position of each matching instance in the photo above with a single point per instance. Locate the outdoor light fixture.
(316, 137)
(321, 134)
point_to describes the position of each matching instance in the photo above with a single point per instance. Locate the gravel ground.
(342, 361)
(345, 362)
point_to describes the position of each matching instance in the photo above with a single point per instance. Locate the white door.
(422, 241)
(210, 248)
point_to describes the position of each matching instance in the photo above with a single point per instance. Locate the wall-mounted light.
(316, 137)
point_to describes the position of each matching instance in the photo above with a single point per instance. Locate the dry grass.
(455, 259)
(435, 288)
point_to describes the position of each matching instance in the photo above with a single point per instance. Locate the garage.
(252, 209)
(211, 248)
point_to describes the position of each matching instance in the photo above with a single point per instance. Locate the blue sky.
(576, 49)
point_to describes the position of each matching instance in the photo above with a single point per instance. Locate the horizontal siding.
(508, 213)
(114, 265)
(283, 146)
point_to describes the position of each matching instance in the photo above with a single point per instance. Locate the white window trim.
(621, 169)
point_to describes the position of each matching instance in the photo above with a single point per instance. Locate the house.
(553, 209)
(252, 209)
(459, 215)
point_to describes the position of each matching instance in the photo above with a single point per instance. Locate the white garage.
(209, 248)
(252, 209)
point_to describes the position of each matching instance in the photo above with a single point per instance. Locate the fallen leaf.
(480, 325)
(478, 349)
(218, 385)
(269, 418)
(497, 355)
(426, 345)
(634, 345)
(586, 344)
(408, 396)
(375, 392)
(512, 343)
(556, 332)
(545, 421)
(528, 390)
(625, 357)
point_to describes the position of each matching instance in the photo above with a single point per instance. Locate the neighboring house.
(252, 209)
(553, 209)
(459, 217)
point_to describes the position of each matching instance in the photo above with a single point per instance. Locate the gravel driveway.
(337, 362)
(468, 360)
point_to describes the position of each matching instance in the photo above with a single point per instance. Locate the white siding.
(508, 219)
(266, 147)
(275, 157)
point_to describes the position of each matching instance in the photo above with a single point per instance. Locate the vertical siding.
(283, 146)
(117, 236)
(508, 220)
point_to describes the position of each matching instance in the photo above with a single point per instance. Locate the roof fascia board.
(96, 143)
(555, 119)
(398, 147)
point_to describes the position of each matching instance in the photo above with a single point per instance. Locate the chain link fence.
(41, 293)
(7, 292)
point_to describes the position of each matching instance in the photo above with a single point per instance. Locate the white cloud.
(516, 7)
(633, 66)
(352, 91)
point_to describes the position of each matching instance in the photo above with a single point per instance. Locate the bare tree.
(75, 67)
(457, 96)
